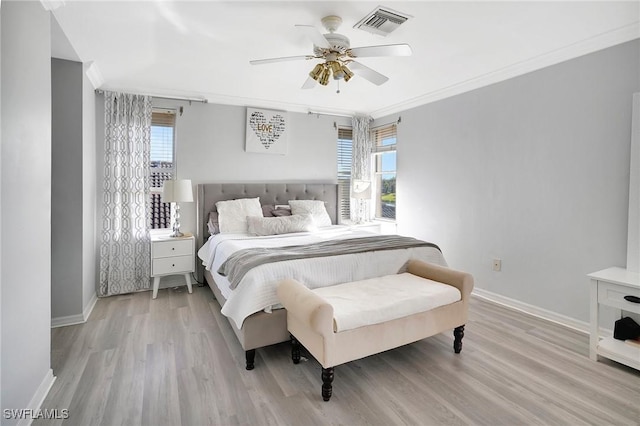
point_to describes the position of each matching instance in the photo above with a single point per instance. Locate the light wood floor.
(175, 360)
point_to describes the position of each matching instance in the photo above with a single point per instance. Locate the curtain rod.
(328, 113)
(173, 98)
(398, 121)
(394, 123)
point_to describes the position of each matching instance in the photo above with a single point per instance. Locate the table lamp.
(177, 191)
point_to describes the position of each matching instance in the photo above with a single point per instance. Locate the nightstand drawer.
(611, 294)
(172, 248)
(172, 265)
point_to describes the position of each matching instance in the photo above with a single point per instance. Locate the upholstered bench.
(349, 321)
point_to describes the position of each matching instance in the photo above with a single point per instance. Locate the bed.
(252, 306)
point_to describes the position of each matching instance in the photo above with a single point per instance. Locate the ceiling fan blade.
(286, 58)
(309, 84)
(314, 35)
(367, 73)
(383, 50)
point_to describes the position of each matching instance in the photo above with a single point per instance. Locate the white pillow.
(315, 208)
(232, 214)
(258, 225)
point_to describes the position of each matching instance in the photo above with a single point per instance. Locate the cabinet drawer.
(172, 265)
(172, 248)
(613, 295)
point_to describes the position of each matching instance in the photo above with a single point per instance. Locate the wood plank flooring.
(176, 361)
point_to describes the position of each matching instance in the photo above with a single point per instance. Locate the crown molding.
(94, 75)
(593, 44)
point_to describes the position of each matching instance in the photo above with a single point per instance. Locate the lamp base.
(176, 234)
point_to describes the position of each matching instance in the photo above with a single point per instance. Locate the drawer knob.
(632, 299)
(173, 264)
(173, 248)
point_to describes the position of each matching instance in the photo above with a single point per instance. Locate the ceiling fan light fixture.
(336, 68)
(334, 51)
(316, 71)
(347, 73)
(324, 77)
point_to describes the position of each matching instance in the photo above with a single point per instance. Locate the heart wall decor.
(266, 131)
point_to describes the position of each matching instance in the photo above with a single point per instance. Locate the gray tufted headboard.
(270, 193)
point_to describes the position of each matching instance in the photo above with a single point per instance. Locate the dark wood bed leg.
(295, 349)
(327, 379)
(250, 355)
(458, 334)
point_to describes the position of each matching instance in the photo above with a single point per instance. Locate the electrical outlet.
(497, 265)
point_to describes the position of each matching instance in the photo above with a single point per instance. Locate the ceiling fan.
(336, 52)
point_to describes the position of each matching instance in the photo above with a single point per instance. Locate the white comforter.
(257, 290)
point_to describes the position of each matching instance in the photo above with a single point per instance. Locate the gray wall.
(210, 148)
(73, 192)
(26, 203)
(66, 188)
(533, 170)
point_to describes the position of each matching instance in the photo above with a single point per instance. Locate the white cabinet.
(172, 256)
(608, 289)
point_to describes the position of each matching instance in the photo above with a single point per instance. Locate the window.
(345, 148)
(162, 164)
(384, 157)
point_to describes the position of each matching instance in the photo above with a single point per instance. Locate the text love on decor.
(266, 131)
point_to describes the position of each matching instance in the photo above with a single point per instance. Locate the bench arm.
(306, 306)
(461, 280)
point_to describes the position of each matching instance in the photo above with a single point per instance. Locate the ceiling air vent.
(382, 21)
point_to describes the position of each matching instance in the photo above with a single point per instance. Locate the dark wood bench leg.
(327, 379)
(295, 349)
(458, 334)
(250, 356)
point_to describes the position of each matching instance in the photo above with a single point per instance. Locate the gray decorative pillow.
(267, 210)
(258, 225)
(281, 212)
(213, 225)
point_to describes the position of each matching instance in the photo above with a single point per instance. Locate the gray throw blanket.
(242, 261)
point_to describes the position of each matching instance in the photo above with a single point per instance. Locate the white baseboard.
(89, 308)
(536, 311)
(67, 320)
(38, 397)
(75, 319)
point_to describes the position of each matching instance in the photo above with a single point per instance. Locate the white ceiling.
(202, 49)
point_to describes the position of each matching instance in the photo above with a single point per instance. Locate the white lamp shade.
(177, 191)
(361, 189)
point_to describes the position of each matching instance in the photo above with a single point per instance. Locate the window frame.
(162, 117)
(343, 164)
(379, 135)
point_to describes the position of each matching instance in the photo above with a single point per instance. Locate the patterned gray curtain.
(361, 164)
(125, 250)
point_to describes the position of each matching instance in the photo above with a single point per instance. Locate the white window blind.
(162, 164)
(345, 149)
(384, 147)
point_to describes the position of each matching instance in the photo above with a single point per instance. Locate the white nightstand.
(172, 256)
(608, 288)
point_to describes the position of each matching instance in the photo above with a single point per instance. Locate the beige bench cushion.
(377, 300)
